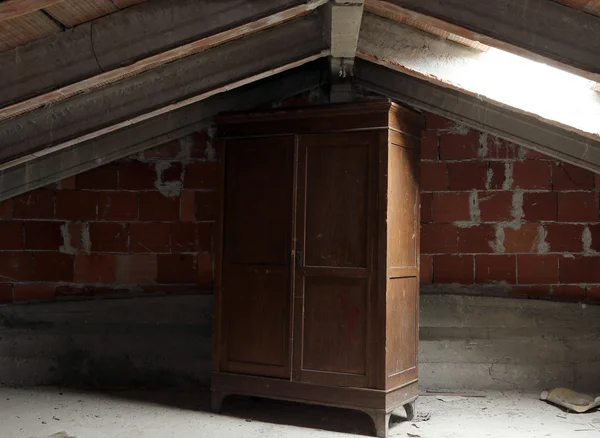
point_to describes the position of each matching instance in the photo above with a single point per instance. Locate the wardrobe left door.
(255, 297)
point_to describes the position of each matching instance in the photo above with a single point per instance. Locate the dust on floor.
(40, 413)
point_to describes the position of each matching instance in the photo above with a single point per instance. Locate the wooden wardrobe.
(317, 294)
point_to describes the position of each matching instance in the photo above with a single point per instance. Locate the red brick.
(495, 268)
(459, 146)
(188, 237)
(16, 266)
(426, 200)
(597, 181)
(477, 239)
(6, 293)
(564, 237)
(429, 145)
(532, 154)
(578, 207)
(184, 237)
(592, 293)
(470, 175)
(135, 175)
(203, 145)
(453, 269)
(177, 268)
(438, 239)
(595, 234)
(11, 236)
(451, 207)
(538, 291)
(6, 209)
(136, 269)
(426, 269)
(201, 175)
(187, 206)
(117, 206)
(523, 239)
(34, 292)
(206, 206)
(498, 148)
(109, 237)
(532, 175)
(150, 237)
(495, 206)
(568, 177)
(576, 293)
(95, 268)
(580, 269)
(154, 206)
(100, 178)
(498, 171)
(43, 235)
(540, 206)
(37, 204)
(205, 269)
(433, 176)
(76, 204)
(52, 266)
(433, 121)
(168, 150)
(537, 269)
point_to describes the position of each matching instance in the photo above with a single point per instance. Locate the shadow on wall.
(153, 342)
(466, 342)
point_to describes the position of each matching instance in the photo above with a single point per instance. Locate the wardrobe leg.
(410, 411)
(216, 400)
(381, 419)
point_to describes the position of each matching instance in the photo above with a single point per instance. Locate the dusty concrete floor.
(44, 412)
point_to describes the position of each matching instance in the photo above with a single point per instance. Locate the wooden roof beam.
(343, 20)
(166, 88)
(38, 170)
(131, 40)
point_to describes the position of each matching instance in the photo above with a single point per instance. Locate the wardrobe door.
(256, 278)
(334, 274)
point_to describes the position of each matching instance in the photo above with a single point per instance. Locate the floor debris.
(571, 400)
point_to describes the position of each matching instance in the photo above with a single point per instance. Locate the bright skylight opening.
(531, 87)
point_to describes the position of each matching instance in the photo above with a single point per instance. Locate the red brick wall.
(503, 220)
(497, 219)
(140, 225)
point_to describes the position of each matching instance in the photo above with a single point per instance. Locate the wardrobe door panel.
(257, 237)
(335, 258)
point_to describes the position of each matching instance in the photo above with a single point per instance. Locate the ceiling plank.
(480, 114)
(40, 170)
(155, 61)
(75, 12)
(24, 29)
(542, 30)
(15, 8)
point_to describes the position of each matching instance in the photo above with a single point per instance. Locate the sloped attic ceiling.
(109, 80)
